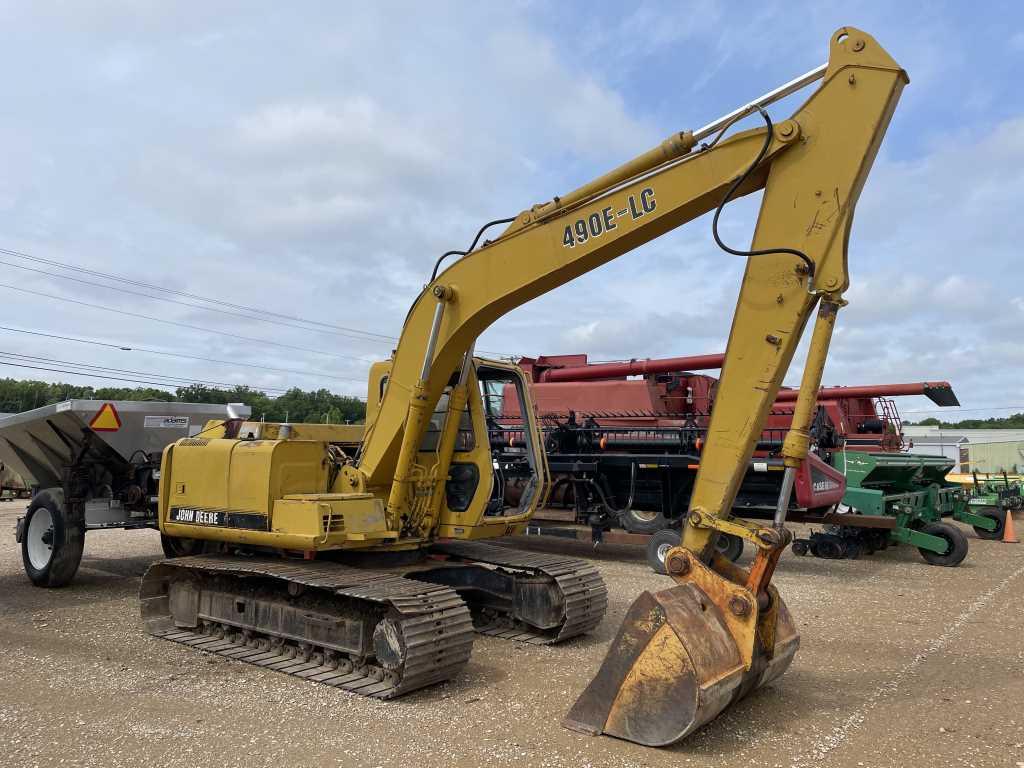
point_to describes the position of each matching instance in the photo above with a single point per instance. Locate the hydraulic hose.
(732, 191)
(446, 254)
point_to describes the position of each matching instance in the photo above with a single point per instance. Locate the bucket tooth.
(673, 667)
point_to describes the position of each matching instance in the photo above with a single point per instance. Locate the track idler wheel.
(684, 654)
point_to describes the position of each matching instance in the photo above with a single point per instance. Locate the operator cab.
(496, 447)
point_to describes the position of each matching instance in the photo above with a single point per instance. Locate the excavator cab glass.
(464, 439)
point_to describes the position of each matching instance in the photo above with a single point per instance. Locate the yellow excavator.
(355, 558)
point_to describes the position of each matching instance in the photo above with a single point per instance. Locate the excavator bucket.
(682, 656)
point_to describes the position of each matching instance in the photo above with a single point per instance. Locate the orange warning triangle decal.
(106, 419)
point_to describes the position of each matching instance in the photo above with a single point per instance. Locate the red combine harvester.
(624, 442)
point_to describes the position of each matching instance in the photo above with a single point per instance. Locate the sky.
(305, 163)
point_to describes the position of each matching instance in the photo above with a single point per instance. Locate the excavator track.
(578, 584)
(374, 633)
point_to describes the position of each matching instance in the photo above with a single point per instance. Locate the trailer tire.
(957, 545)
(649, 521)
(52, 543)
(643, 521)
(997, 534)
(658, 546)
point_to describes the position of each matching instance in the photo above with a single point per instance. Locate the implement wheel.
(1000, 520)
(51, 545)
(827, 548)
(956, 545)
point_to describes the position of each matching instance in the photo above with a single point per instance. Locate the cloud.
(316, 164)
(320, 183)
(936, 271)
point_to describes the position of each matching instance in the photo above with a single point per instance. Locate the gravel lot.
(902, 664)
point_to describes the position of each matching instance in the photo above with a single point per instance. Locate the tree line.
(1016, 421)
(296, 405)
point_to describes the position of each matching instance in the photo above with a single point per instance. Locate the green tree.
(1016, 421)
(296, 405)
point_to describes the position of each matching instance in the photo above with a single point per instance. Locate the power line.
(147, 350)
(339, 330)
(140, 284)
(119, 289)
(128, 379)
(956, 409)
(173, 380)
(180, 325)
(81, 373)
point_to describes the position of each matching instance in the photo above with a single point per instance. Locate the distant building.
(986, 450)
(947, 445)
(993, 458)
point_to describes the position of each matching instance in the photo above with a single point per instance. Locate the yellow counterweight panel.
(257, 492)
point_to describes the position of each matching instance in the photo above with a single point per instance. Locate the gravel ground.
(902, 664)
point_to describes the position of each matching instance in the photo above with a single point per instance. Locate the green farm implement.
(994, 498)
(901, 498)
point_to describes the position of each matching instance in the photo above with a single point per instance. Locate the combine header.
(668, 392)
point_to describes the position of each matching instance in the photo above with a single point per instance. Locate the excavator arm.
(683, 654)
